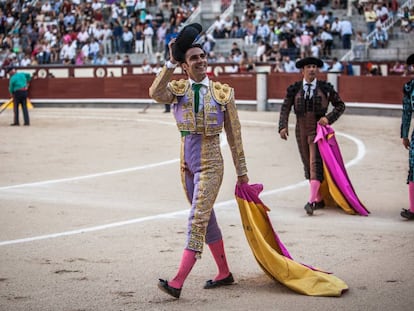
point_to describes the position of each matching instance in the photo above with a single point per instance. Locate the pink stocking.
(187, 262)
(314, 191)
(411, 195)
(217, 249)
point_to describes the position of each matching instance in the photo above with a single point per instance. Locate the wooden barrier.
(120, 82)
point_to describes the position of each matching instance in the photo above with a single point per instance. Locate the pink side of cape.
(332, 158)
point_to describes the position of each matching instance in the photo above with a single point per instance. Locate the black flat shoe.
(319, 205)
(163, 285)
(224, 282)
(14, 124)
(309, 207)
(407, 214)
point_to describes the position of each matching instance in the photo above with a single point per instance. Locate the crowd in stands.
(286, 30)
(81, 32)
(97, 32)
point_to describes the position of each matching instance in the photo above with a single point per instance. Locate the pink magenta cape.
(338, 183)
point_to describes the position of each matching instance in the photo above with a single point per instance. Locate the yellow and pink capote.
(271, 254)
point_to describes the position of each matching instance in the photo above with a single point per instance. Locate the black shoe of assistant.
(163, 285)
(407, 214)
(319, 205)
(224, 282)
(309, 208)
(14, 124)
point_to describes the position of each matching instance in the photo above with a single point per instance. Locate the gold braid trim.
(179, 87)
(222, 92)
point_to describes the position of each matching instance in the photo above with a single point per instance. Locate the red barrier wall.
(357, 89)
(372, 89)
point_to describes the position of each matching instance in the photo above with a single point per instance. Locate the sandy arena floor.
(93, 213)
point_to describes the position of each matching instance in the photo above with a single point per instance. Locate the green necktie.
(196, 88)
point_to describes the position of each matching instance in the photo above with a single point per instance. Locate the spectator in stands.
(236, 32)
(305, 44)
(249, 30)
(126, 60)
(218, 23)
(316, 48)
(360, 45)
(289, 64)
(278, 67)
(161, 33)
(227, 26)
(260, 51)
(148, 36)
(117, 35)
(336, 66)
(246, 63)
(380, 38)
(398, 68)
(321, 20)
(127, 40)
(67, 52)
(107, 39)
(262, 31)
(139, 38)
(370, 17)
(100, 60)
(327, 42)
(346, 32)
(335, 28)
(211, 57)
(118, 59)
(309, 9)
(80, 58)
(94, 49)
(382, 11)
(26, 61)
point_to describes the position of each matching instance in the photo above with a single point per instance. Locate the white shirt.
(346, 27)
(148, 32)
(312, 86)
(203, 90)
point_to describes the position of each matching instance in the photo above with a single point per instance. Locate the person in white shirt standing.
(148, 35)
(107, 39)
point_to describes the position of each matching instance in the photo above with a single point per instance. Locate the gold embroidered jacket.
(219, 110)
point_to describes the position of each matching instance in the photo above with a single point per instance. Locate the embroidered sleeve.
(233, 132)
(158, 90)
(407, 108)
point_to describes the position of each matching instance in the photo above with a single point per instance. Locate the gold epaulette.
(222, 93)
(178, 87)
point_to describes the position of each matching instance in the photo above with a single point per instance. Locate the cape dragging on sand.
(271, 254)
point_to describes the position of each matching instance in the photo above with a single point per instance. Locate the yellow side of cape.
(332, 195)
(296, 276)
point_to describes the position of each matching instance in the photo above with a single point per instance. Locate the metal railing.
(386, 25)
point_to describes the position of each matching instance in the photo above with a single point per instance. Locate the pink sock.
(411, 195)
(314, 190)
(217, 249)
(187, 262)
